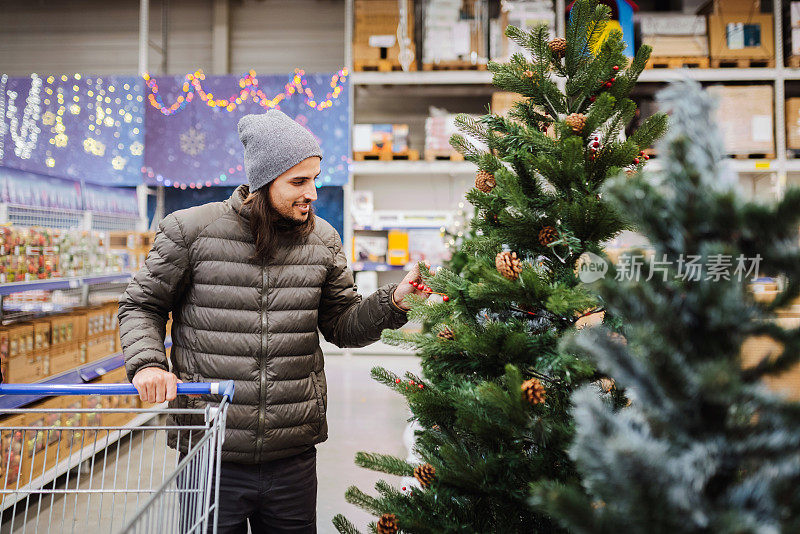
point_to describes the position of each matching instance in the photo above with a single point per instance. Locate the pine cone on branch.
(387, 524)
(533, 391)
(576, 121)
(558, 47)
(425, 475)
(446, 333)
(547, 235)
(508, 264)
(485, 181)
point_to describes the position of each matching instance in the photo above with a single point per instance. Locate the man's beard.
(291, 224)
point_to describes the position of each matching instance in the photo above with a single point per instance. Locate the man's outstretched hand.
(405, 288)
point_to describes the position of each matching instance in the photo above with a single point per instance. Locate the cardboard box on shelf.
(741, 36)
(755, 348)
(794, 14)
(27, 367)
(719, 7)
(100, 346)
(793, 123)
(677, 45)
(65, 357)
(397, 253)
(427, 244)
(502, 101)
(670, 23)
(41, 334)
(744, 114)
(375, 32)
(380, 138)
(370, 248)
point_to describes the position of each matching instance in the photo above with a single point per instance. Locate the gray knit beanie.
(273, 143)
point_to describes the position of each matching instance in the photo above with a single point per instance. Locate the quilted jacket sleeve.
(144, 307)
(344, 318)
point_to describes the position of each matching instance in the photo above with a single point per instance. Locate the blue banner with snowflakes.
(192, 139)
(87, 128)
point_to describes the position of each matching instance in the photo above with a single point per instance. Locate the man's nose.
(311, 193)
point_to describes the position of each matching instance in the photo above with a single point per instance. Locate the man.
(248, 281)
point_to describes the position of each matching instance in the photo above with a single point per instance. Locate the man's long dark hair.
(269, 228)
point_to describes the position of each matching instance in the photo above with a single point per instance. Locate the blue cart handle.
(198, 388)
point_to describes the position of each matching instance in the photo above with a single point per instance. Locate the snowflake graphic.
(193, 142)
(137, 148)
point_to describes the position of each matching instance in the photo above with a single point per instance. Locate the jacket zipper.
(262, 364)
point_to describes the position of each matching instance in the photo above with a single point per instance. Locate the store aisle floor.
(362, 415)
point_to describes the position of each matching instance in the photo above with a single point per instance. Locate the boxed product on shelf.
(370, 248)
(362, 207)
(23, 362)
(744, 114)
(63, 329)
(72, 440)
(100, 346)
(117, 376)
(12, 441)
(397, 251)
(737, 30)
(375, 33)
(755, 348)
(439, 126)
(41, 334)
(377, 138)
(523, 14)
(66, 357)
(455, 32)
(674, 34)
(42, 445)
(427, 244)
(793, 123)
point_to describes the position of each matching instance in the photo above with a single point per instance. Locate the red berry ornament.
(608, 84)
(592, 98)
(615, 68)
(445, 298)
(636, 161)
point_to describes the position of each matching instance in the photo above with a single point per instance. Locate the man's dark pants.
(276, 497)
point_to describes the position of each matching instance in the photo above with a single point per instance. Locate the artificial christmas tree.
(485, 436)
(703, 446)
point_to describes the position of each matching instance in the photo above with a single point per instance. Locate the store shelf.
(476, 77)
(383, 228)
(84, 373)
(438, 77)
(63, 283)
(379, 348)
(75, 458)
(422, 168)
(373, 266)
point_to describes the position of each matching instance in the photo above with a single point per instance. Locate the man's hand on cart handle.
(156, 385)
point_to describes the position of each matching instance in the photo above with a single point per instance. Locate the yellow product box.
(398, 248)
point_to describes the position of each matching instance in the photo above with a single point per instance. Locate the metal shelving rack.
(776, 169)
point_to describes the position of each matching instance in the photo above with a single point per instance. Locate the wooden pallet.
(793, 62)
(677, 62)
(755, 155)
(742, 63)
(454, 65)
(408, 155)
(450, 155)
(380, 65)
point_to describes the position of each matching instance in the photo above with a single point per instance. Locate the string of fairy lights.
(248, 91)
(109, 107)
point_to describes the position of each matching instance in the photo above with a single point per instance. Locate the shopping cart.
(85, 467)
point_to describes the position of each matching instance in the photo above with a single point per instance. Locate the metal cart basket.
(93, 462)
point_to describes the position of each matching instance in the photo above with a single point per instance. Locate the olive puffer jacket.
(256, 323)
